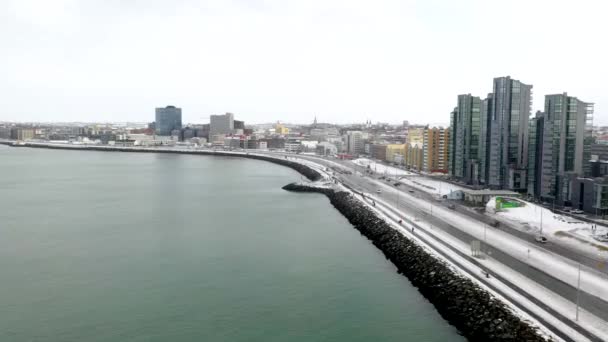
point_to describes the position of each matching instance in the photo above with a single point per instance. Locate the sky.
(341, 61)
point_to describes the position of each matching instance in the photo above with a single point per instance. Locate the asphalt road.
(369, 185)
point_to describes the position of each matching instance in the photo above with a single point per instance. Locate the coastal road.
(404, 202)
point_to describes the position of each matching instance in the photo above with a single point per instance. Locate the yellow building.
(435, 145)
(280, 129)
(395, 153)
(415, 135)
(413, 156)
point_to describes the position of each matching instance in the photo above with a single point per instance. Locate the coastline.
(472, 310)
(306, 171)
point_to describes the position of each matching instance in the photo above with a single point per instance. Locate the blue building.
(167, 120)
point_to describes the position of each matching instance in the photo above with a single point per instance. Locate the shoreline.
(306, 171)
(475, 313)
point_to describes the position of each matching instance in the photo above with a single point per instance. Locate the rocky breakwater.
(472, 310)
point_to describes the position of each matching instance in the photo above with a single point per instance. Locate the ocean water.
(98, 246)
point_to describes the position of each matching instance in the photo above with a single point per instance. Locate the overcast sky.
(343, 61)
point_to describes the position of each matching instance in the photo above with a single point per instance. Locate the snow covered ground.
(429, 185)
(381, 168)
(589, 321)
(531, 217)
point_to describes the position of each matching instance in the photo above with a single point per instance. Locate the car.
(378, 191)
(397, 184)
(411, 191)
(541, 239)
(577, 211)
(452, 206)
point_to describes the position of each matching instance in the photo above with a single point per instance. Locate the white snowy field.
(429, 185)
(381, 168)
(531, 217)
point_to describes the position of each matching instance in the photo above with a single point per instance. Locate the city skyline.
(96, 62)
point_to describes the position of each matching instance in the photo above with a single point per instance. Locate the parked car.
(378, 191)
(452, 206)
(577, 211)
(541, 239)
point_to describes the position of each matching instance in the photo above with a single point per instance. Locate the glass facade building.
(167, 120)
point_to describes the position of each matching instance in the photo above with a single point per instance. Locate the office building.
(221, 124)
(508, 134)
(354, 142)
(466, 139)
(168, 119)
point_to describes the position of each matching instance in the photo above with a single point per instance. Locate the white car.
(541, 239)
(577, 211)
(378, 191)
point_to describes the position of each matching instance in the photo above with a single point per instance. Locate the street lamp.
(578, 290)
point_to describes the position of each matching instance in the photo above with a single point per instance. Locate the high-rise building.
(508, 134)
(435, 146)
(354, 142)
(221, 124)
(535, 148)
(484, 140)
(466, 139)
(566, 145)
(168, 119)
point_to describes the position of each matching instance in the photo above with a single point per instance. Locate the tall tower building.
(435, 147)
(535, 149)
(508, 134)
(167, 120)
(466, 139)
(566, 144)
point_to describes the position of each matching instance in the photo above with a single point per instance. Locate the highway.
(399, 198)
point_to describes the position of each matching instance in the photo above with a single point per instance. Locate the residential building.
(566, 146)
(415, 135)
(221, 124)
(535, 148)
(414, 156)
(168, 119)
(466, 139)
(22, 133)
(435, 144)
(508, 134)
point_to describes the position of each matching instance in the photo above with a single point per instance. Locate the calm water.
(141, 247)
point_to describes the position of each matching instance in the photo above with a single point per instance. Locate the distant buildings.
(221, 124)
(22, 133)
(354, 142)
(168, 119)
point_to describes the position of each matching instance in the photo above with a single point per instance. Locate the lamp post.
(578, 290)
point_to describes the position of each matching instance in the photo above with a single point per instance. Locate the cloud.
(343, 61)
